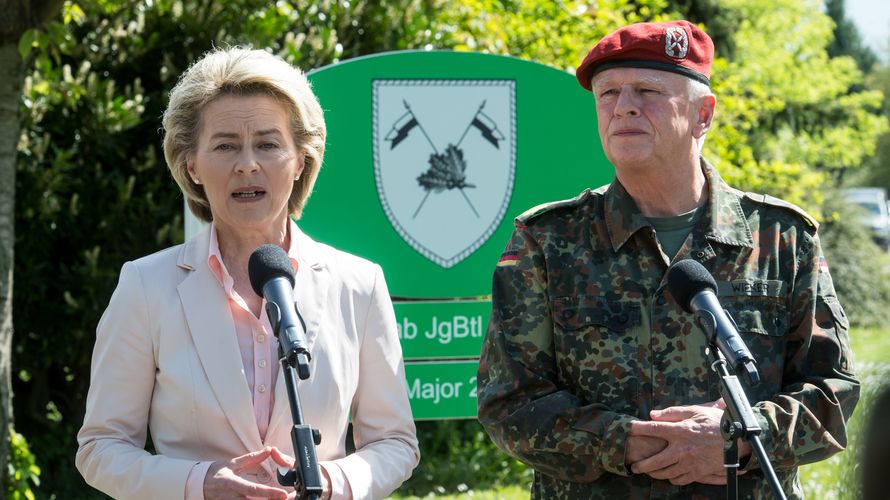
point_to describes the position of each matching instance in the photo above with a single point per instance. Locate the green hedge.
(457, 456)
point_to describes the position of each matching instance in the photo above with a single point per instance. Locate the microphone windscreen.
(268, 262)
(686, 278)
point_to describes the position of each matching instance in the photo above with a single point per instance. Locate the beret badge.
(676, 43)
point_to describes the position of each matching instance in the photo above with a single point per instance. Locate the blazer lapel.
(310, 293)
(210, 325)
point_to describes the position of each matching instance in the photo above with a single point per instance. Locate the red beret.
(676, 46)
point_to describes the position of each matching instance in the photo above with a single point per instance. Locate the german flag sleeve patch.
(509, 258)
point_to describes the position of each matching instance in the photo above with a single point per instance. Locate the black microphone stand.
(739, 423)
(294, 358)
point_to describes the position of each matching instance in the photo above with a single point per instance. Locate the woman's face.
(247, 162)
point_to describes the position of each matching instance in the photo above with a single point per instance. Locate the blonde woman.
(185, 350)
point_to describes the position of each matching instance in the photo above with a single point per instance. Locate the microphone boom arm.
(739, 422)
(294, 357)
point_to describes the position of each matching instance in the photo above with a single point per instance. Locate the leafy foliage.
(877, 172)
(22, 470)
(847, 41)
(788, 115)
(458, 456)
(558, 34)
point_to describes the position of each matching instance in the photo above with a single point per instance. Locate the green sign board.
(430, 156)
(440, 390)
(453, 329)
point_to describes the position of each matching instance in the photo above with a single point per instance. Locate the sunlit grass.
(507, 493)
(870, 346)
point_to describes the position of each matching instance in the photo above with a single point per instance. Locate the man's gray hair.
(697, 89)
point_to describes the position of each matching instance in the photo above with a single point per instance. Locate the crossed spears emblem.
(447, 170)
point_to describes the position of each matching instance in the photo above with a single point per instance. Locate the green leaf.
(26, 42)
(73, 12)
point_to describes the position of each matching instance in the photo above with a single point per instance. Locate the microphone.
(695, 290)
(272, 277)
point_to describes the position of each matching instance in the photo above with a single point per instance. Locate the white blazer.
(166, 360)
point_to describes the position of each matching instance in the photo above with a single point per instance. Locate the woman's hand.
(223, 479)
(289, 462)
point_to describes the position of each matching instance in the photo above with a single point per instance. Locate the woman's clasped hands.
(235, 478)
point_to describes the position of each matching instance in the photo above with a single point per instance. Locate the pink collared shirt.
(259, 356)
(256, 340)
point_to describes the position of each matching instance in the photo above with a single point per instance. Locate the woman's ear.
(301, 165)
(190, 168)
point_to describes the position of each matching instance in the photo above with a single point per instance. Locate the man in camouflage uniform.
(591, 373)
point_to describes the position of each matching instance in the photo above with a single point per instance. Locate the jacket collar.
(308, 251)
(726, 221)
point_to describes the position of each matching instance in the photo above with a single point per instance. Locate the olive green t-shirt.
(672, 231)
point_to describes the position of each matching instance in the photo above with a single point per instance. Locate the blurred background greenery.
(83, 84)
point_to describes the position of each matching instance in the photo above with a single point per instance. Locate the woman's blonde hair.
(241, 72)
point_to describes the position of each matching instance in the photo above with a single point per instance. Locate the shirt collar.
(218, 267)
(726, 221)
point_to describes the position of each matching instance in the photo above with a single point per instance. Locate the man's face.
(646, 119)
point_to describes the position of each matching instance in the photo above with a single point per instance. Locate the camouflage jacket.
(585, 337)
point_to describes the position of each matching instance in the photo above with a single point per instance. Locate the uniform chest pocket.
(763, 325)
(758, 315)
(577, 313)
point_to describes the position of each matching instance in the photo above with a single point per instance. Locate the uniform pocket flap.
(763, 316)
(573, 313)
(837, 311)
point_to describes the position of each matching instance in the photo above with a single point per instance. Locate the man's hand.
(223, 479)
(694, 451)
(640, 447)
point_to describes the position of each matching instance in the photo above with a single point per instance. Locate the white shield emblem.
(444, 161)
(675, 42)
